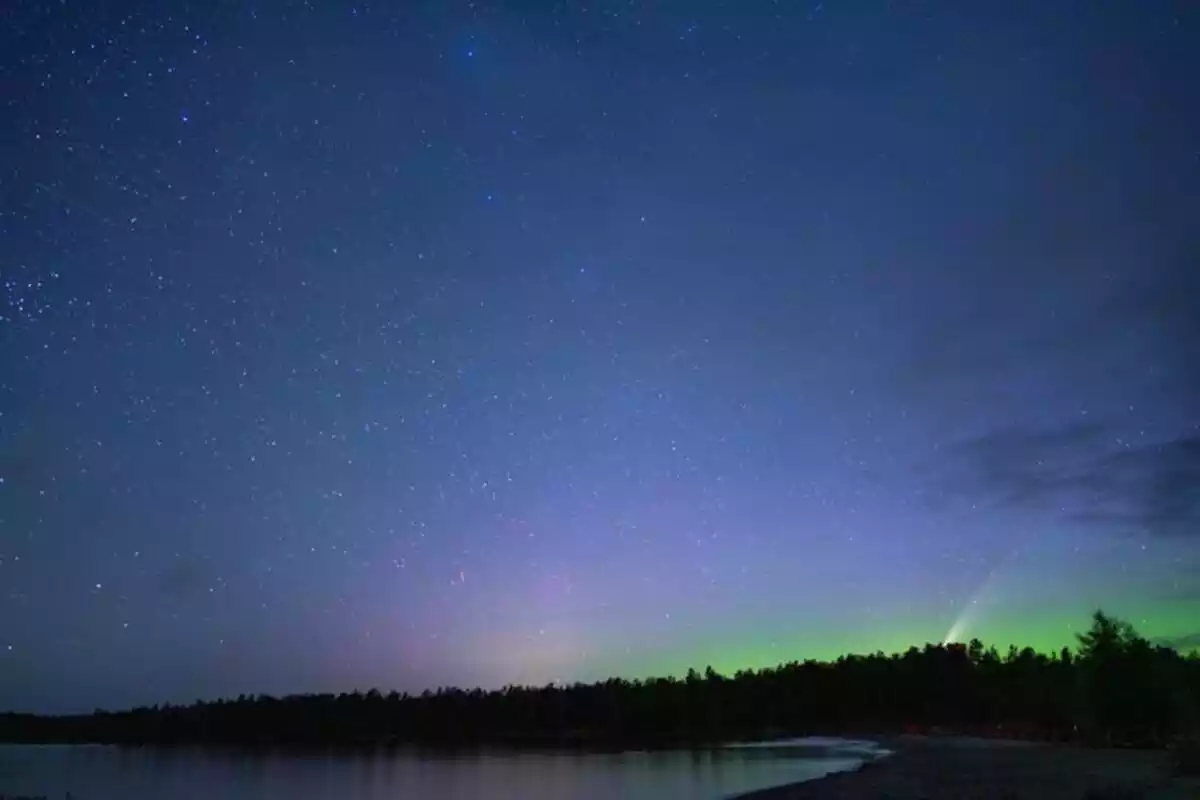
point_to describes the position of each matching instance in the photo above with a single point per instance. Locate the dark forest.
(1115, 688)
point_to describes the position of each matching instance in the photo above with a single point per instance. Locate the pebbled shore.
(971, 769)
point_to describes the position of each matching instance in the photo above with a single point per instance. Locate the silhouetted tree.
(1130, 690)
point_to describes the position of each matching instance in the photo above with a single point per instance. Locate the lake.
(93, 772)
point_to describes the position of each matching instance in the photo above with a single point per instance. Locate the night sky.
(430, 343)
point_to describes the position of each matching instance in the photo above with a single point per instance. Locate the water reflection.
(103, 773)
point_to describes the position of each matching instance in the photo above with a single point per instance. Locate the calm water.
(105, 773)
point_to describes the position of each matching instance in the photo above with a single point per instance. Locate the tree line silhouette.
(1114, 688)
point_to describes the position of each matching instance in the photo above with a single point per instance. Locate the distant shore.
(958, 768)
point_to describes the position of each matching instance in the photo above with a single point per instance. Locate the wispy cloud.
(1124, 336)
(1185, 643)
(1084, 473)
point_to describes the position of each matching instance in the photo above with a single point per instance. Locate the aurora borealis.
(429, 343)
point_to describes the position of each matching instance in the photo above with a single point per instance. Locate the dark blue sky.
(465, 343)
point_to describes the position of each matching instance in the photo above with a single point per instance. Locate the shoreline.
(960, 768)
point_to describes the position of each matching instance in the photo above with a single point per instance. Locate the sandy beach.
(965, 769)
